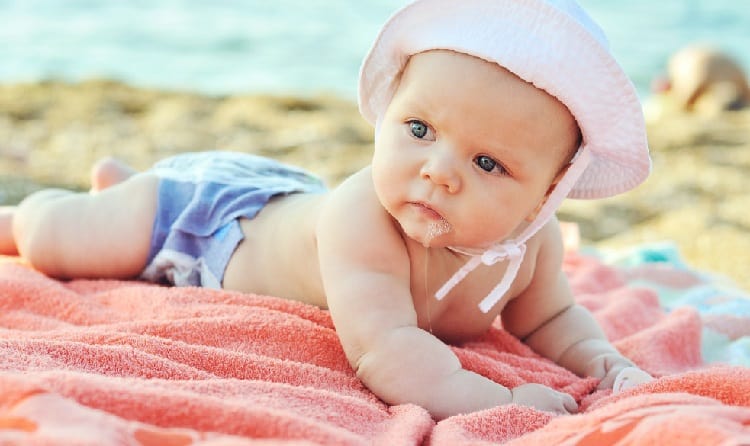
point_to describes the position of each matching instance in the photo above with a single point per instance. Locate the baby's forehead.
(444, 66)
(478, 85)
(462, 61)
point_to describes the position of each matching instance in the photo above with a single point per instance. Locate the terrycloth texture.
(107, 362)
(724, 309)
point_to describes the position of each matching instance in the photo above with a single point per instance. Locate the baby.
(487, 113)
(700, 79)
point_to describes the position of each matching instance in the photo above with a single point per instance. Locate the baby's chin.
(433, 236)
(423, 239)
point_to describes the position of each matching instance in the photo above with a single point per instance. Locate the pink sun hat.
(552, 44)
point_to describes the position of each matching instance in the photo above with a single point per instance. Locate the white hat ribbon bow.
(512, 251)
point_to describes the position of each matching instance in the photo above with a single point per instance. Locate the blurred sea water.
(295, 46)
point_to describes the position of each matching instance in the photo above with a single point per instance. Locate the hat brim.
(556, 48)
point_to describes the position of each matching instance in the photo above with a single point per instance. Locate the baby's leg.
(7, 244)
(102, 235)
(105, 173)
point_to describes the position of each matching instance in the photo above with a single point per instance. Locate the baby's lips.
(630, 377)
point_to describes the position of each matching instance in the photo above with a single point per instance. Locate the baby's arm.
(547, 318)
(366, 274)
(574, 340)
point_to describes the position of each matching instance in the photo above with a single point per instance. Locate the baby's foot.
(108, 172)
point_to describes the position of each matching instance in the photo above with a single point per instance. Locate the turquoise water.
(294, 46)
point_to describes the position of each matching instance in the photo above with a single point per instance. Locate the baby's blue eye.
(418, 129)
(485, 163)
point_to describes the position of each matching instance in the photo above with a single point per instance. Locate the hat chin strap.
(515, 249)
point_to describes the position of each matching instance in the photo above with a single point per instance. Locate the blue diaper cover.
(201, 197)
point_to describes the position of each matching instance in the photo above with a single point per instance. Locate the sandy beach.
(51, 133)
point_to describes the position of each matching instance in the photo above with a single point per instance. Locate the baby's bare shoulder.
(356, 189)
(354, 205)
(355, 224)
(546, 244)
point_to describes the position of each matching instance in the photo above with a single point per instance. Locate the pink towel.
(115, 362)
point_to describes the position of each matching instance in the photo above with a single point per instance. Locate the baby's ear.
(532, 215)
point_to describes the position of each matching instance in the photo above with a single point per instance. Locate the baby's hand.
(630, 377)
(606, 367)
(544, 398)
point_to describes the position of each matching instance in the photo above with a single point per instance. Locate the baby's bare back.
(278, 256)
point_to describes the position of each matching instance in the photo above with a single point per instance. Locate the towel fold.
(118, 362)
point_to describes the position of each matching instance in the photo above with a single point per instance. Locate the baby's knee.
(33, 222)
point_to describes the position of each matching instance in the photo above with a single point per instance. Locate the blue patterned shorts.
(201, 197)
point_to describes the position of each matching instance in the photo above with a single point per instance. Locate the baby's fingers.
(630, 377)
(607, 368)
(562, 403)
(609, 380)
(544, 398)
(569, 404)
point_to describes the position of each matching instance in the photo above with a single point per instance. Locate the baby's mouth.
(427, 211)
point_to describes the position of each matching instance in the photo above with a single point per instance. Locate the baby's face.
(467, 151)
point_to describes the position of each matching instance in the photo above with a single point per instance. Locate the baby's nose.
(442, 170)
